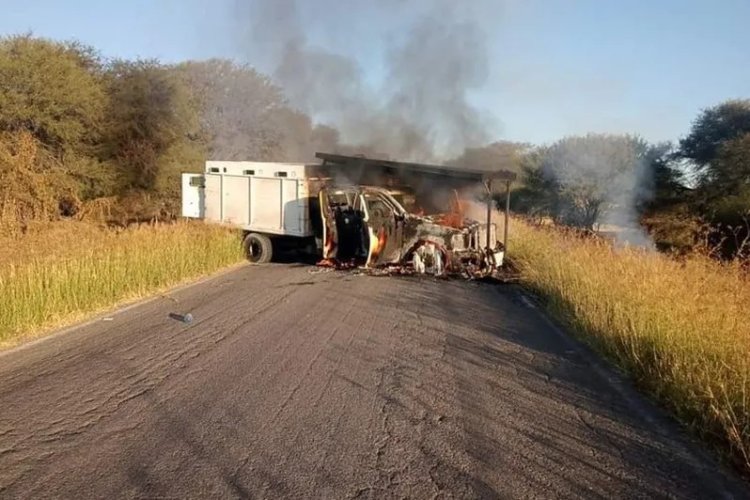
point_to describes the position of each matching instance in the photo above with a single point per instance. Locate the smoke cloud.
(418, 107)
(628, 189)
(420, 110)
(599, 180)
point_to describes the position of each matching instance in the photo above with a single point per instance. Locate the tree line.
(694, 193)
(84, 136)
(80, 134)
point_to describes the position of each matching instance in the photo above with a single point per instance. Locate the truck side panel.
(291, 206)
(251, 196)
(214, 198)
(266, 203)
(236, 200)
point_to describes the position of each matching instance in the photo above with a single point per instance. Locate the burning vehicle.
(353, 211)
(366, 225)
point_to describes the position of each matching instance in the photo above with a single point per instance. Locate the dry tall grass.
(60, 274)
(681, 329)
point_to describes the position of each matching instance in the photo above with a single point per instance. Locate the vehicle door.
(385, 227)
(330, 235)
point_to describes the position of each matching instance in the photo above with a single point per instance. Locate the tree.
(579, 179)
(713, 127)
(52, 90)
(52, 103)
(245, 116)
(151, 114)
(537, 194)
(718, 147)
(665, 182)
(33, 181)
(667, 210)
(709, 139)
(237, 107)
(730, 170)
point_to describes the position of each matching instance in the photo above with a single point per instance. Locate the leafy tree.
(33, 181)
(730, 170)
(245, 116)
(667, 211)
(237, 108)
(52, 90)
(538, 194)
(718, 146)
(52, 103)
(712, 129)
(665, 183)
(580, 178)
(151, 115)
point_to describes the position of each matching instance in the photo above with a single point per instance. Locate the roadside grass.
(679, 329)
(59, 275)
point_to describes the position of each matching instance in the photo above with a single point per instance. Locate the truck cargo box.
(261, 197)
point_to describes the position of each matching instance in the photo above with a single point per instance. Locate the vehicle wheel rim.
(254, 250)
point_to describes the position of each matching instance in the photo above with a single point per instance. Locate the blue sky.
(555, 68)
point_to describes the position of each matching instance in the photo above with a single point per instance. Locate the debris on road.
(185, 318)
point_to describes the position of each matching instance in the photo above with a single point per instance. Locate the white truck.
(324, 210)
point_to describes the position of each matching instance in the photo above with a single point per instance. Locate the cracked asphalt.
(292, 382)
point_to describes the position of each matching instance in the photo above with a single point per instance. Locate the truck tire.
(258, 248)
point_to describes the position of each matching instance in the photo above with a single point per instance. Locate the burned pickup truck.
(350, 212)
(365, 225)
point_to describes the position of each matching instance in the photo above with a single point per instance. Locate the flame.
(455, 218)
(329, 244)
(382, 239)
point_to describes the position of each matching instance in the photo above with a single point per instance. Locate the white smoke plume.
(599, 180)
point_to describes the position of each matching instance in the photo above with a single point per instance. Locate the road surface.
(296, 383)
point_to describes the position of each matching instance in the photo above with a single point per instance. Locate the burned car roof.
(466, 173)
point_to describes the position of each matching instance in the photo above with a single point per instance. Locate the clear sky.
(556, 67)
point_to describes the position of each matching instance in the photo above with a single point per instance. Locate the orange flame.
(382, 240)
(455, 218)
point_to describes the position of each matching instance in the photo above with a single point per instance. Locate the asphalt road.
(296, 383)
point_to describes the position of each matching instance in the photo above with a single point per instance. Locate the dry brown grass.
(60, 272)
(680, 329)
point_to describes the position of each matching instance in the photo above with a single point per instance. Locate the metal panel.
(275, 205)
(265, 195)
(303, 196)
(213, 197)
(236, 200)
(290, 207)
(193, 195)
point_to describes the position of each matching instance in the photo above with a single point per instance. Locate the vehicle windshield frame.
(388, 199)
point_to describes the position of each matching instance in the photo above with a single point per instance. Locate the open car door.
(330, 235)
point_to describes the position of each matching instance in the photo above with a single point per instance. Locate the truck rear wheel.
(258, 248)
